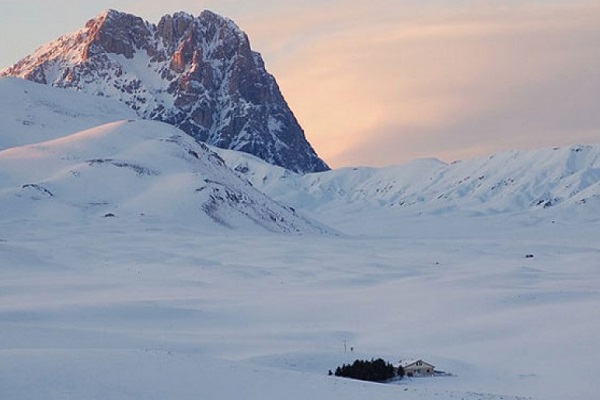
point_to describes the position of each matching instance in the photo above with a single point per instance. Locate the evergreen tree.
(374, 370)
(400, 372)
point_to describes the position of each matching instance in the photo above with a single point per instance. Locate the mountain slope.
(515, 181)
(196, 73)
(31, 113)
(142, 170)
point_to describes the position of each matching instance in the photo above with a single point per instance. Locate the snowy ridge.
(33, 113)
(196, 73)
(60, 156)
(140, 171)
(515, 181)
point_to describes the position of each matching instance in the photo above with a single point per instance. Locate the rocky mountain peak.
(117, 33)
(172, 28)
(197, 73)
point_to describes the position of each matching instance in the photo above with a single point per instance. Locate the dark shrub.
(374, 370)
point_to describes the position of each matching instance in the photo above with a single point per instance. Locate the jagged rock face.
(197, 73)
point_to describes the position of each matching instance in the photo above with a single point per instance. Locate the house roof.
(409, 362)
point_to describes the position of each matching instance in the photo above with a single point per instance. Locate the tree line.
(374, 370)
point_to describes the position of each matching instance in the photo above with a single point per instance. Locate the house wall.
(419, 370)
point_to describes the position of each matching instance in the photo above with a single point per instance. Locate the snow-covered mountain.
(37, 116)
(142, 170)
(514, 181)
(196, 73)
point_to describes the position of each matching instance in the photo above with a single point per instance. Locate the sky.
(382, 83)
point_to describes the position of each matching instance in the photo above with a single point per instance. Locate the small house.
(417, 368)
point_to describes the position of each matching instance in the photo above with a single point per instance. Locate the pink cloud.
(379, 83)
(412, 81)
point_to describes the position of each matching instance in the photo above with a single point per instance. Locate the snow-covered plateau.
(134, 264)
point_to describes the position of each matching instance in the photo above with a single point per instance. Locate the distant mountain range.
(559, 178)
(196, 73)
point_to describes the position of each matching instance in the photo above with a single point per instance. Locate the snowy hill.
(32, 113)
(143, 170)
(139, 170)
(196, 73)
(565, 178)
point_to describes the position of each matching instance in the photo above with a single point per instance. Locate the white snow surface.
(491, 287)
(560, 182)
(127, 169)
(31, 112)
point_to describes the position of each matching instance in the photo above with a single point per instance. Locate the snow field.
(165, 301)
(270, 314)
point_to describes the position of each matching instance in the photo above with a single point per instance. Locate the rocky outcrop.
(197, 73)
(117, 33)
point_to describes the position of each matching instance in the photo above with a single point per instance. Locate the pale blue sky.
(380, 83)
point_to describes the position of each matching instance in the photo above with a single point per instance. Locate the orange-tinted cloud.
(378, 83)
(381, 85)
